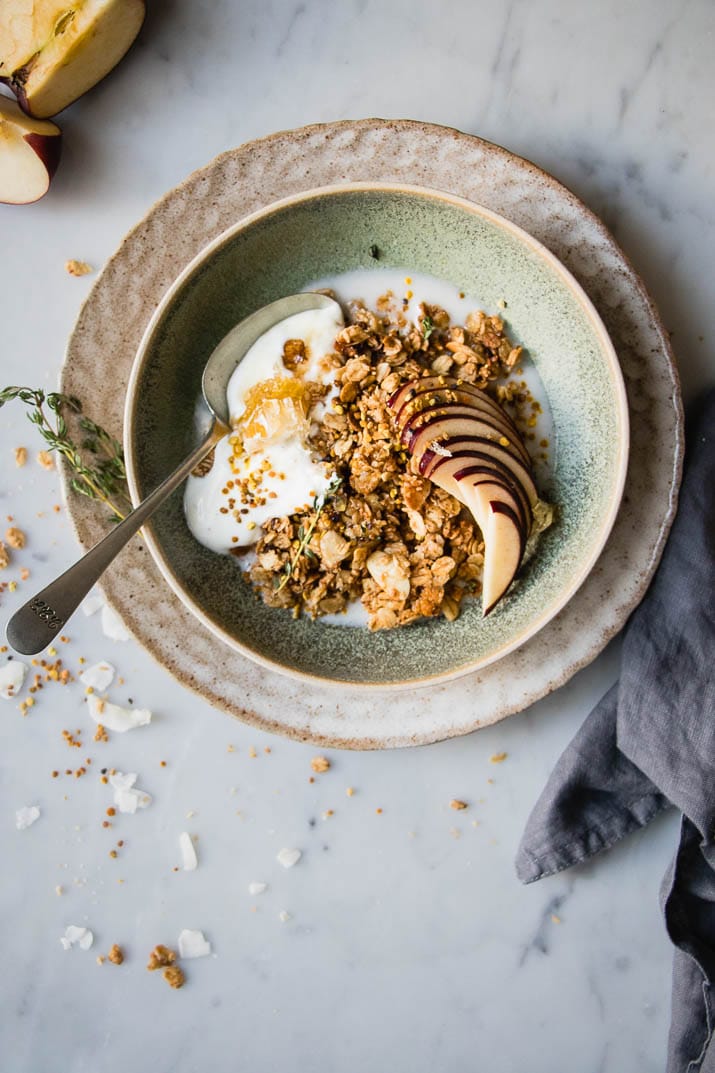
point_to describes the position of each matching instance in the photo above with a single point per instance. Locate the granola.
(384, 536)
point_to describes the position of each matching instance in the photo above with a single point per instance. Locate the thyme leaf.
(305, 535)
(427, 326)
(104, 476)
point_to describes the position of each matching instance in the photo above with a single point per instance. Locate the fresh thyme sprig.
(305, 535)
(104, 478)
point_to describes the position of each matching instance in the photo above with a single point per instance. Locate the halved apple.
(53, 51)
(462, 440)
(29, 154)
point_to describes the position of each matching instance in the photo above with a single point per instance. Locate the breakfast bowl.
(355, 238)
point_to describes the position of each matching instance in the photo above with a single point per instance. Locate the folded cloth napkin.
(650, 743)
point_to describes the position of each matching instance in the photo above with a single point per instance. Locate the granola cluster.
(385, 536)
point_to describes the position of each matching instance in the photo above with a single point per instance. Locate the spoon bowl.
(37, 622)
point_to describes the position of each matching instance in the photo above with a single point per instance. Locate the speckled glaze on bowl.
(323, 233)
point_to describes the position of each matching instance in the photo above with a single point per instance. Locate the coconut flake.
(112, 625)
(192, 944)
(92, 603)
(126, 797)
(99, 676)
(12, 675)
(77, 936)
(289, 857)
(115, 717)
(257, 888)
(26, 816)
(284, 916)
(188, 852)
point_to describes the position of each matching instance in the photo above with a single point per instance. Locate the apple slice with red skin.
(440, 425)
(504, 541)
(463, 489)
(413, 388)
(506, 549)
(29, 154)
(53, 51)
(457, 472)
(481, 451)
(443, 395)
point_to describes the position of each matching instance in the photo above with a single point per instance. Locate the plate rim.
(407, 136)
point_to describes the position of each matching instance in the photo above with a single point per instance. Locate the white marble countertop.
(410, 943)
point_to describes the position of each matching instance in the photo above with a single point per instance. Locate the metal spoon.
(37, 622)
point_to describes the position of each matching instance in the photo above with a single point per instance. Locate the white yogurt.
(288, 477)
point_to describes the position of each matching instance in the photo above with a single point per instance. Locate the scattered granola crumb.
(15, 537)
(116, 954)
(24, 574)
(328, 813)
(498, 758)
(252, 753)
(160, 956)
(378, 811)
(174, 977)
(320, 764)
(350, 792)
(77, 268)
(46, 460)
(20, 456)
(59, 891)
(4, 557)
(101, 959)
(458, 805)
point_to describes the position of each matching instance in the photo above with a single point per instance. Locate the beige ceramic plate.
(102, 348)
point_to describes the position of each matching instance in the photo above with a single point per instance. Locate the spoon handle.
(36, 623)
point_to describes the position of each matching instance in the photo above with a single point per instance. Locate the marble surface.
(410, 944)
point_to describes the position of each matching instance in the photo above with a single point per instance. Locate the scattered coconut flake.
(92, 603)
(188, 852)
(284, 916)
(115, 717)
(126, 797)
(12, 675)
(99, 676)
(77, 936)
(192, 944)
(257, 888)
(112, 625)
(26, 816)
(289, 857)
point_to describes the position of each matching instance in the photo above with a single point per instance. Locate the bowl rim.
(476, 209)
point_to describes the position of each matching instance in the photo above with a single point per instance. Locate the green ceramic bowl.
(278, 251)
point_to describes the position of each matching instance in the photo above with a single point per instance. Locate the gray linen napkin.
(650, 743)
